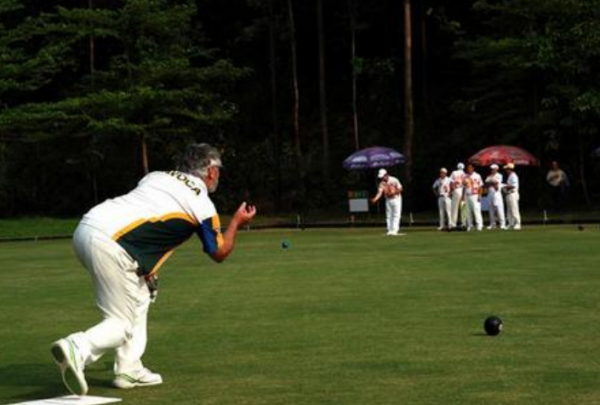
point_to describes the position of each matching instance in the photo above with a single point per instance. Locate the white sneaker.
(517, 227)
(66, 355)
(143, 378)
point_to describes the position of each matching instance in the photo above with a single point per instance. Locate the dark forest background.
(94, 93)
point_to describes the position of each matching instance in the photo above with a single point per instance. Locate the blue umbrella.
(374, 157)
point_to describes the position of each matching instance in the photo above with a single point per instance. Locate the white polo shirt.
(390, 183)
(494, 180)
(473, 184)
(442, 186)
(513, 180)
(457, 177)
(162, 212)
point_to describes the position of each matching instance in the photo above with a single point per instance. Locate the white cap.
(494, 167)
(460, 166)
(443, 170)
(510, 166)
(381, 173)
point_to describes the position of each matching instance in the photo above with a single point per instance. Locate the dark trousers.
(558, 196)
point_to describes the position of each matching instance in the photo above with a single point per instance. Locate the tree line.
(95, 93)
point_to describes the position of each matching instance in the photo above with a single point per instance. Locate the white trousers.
(456, 196)
(513, 215)
(497, 210)
(121, 295)
(444, 205)
(474, 212)
(393, 213)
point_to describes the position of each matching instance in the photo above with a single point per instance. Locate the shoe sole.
(69, 376)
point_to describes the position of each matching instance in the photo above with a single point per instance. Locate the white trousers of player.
(393, 212)
(456, 196)
(121, 295)
(474, 212)
(444, 205)
(512, 210)
(497, 210)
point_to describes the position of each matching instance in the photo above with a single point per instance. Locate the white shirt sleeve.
(513, 180)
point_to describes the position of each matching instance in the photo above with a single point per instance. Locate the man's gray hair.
(197, 158)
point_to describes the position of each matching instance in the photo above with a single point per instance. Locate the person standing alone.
(558, 182)
(123, 242)
(391, 188)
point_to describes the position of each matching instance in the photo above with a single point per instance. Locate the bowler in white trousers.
(511, 190)
(441, 189)
(391, 188)
(122, 243)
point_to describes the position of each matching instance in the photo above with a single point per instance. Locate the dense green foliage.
(536, 78)
(95, 92)
(340, 317)
(96, 78)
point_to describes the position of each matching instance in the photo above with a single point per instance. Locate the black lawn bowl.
(492, 325)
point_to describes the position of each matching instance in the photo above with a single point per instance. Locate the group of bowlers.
(461, 193)
(459, 197)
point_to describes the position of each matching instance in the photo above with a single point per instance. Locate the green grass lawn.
(36, 227)
(343, 316)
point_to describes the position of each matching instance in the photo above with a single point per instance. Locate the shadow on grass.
(45, 380)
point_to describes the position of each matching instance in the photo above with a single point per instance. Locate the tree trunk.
(426, 121)
(323, 89)
(144, 154)
(92, 47)
(296, 107)
(408, 92)
(274, 109)
(352, 13)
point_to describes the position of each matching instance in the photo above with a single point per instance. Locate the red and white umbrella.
(503, 154)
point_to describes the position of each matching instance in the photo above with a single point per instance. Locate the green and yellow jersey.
(162, 212)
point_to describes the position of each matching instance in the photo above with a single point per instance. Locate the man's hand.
(244, 214)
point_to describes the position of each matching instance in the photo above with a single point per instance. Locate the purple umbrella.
(374, 157)
(596, 153)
